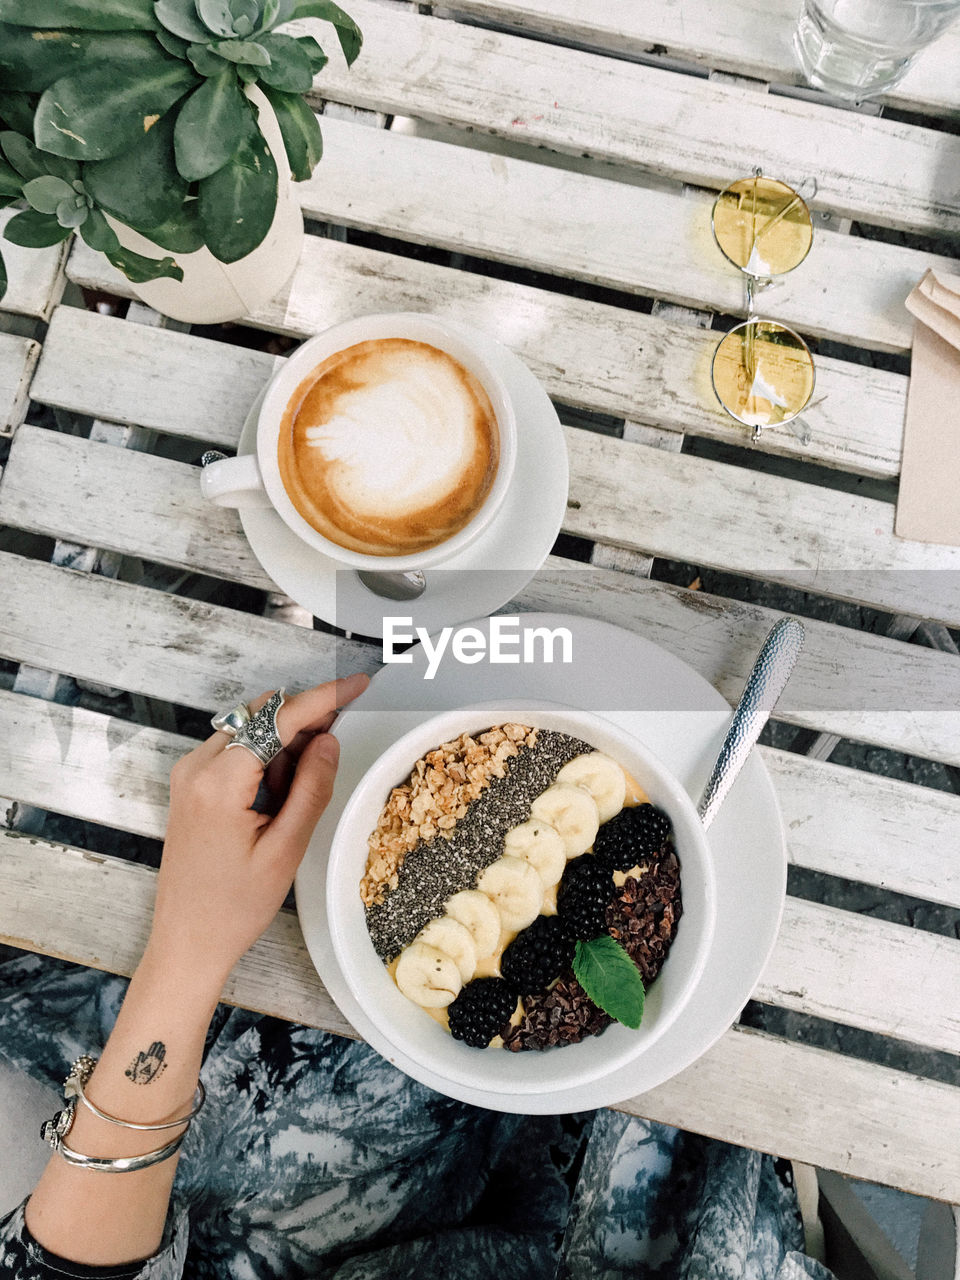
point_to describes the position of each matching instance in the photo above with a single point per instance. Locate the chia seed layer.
(432, 873)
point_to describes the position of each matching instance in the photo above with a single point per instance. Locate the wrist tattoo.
(149, 1064)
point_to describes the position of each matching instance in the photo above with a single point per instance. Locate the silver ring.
(230, 722)
(259, 734)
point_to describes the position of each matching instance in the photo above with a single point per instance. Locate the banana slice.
(539, 844)
(427, 977)
(477, 913)
(454, 940)
(514, 888)
(602, 777)
(574, 813)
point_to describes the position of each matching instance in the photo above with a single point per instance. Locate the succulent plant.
(137, 109)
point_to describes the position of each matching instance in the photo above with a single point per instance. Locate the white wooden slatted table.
(481, 168)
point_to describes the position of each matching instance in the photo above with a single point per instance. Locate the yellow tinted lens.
(763, 373)
(762, 226)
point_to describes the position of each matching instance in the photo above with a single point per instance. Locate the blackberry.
(480, 1010)
(585, 890)
(537, 955)
(634, 834)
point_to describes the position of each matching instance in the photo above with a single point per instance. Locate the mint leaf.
(610, 979)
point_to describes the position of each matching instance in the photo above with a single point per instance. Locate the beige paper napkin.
(928, 507)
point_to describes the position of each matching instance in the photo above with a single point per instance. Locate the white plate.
(681, 718)
(501, 561)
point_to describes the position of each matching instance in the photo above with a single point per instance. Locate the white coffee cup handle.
(234, 482)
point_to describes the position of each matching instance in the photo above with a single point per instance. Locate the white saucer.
(502, 560)
(680, 717)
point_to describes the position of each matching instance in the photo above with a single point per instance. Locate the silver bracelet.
(81, 1072)
(120, 1164)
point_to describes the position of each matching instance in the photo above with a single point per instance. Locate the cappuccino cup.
(387, 442)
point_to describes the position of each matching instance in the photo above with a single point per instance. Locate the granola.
(435, 797)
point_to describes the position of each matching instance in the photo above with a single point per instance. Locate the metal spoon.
(393, 585)
(771, 671)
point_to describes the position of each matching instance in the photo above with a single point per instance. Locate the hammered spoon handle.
(771, 671)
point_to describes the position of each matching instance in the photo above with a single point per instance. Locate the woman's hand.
(226, 869)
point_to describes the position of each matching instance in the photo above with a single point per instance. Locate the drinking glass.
(857, 49)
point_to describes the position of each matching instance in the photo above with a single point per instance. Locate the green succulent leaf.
(317, 58)
(289, 68)
(211, 125)
(215, 16)
(35, 230)
(179, 17)
(180, 234)
(72, 211)
(139, 269)
(30, 162)
(88, 15)
(98, 233)
(610, 978)
(300, 131)
(244, 11)
(206, 62)
(103, 110)
(276, 12)
(18, 109)
(248, 51)
(247, 75)
(33, 60)
(238, 202)
(348, 33)
(176, 47)
(142, 183)
(3, 276)
(22, 155)
(46, 193)
(11, 182)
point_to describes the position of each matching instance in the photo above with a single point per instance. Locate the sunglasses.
(763, 373)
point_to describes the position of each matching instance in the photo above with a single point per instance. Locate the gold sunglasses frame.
(756, 283)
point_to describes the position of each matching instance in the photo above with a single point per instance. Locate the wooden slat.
(622, 493)
(86, 764)
(608, 233)
(159, 645)
(206, 386)
(105, 770)
(849, 682)
(902, 837)
(125, 501)
(18, 356)
(818, 1107)
(35, 275)
(877, 170)
(751, 37)
(587, 354)
(832, 1111)
(881, 977)
(868, 687)
(896, 836)
(653, 242)
(108, 923)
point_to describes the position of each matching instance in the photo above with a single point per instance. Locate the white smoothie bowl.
(412, 1031)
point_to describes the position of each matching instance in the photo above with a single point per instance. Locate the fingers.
(310, 711)
(290, 831)
(305, 713)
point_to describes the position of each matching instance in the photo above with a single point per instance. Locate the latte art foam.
(388, 447)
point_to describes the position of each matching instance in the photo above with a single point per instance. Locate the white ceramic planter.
(212, 291)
